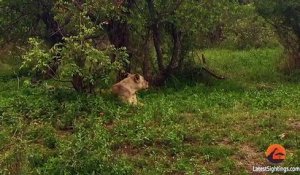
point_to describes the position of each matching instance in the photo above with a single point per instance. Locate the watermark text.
(274, 169)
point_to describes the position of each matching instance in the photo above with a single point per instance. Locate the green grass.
(252, 65)
(223, 128)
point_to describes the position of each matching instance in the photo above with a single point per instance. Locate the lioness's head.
(139, 81)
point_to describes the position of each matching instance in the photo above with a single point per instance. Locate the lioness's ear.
(136, 78)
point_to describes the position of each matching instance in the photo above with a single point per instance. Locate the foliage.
(284, 16)
(175, 27)
(254, 65)
(61, 131)
(245, 29)
(188, 127)
(21, 19)
(77, 56)
(37, 58)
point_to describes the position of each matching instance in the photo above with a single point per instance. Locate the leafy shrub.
(246, 30)
(75, 60)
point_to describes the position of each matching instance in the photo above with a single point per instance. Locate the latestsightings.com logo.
(275, 153)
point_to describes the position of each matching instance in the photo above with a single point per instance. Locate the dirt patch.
(64, 134)
(188, 117)
(188, 114)
(191, 139)
(294, 124)
(248, 157)
(109, 126)
(264, 86)
(225, 141)
(127, 149)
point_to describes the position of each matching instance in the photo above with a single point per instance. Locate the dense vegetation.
(59, 58)
(212, 127)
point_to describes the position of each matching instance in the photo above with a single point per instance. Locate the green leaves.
(21, 19)
(284, 15)
(77, 55)
(36, 59)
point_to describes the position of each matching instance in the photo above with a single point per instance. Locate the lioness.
(127, 88)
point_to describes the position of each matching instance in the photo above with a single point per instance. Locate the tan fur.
(127, 88)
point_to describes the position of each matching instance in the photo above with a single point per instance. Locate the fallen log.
(207, 70)
(213, 74)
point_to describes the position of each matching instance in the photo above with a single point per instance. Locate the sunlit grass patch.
(254, 65)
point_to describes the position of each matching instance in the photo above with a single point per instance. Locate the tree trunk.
(217, 35)
(54, 36)
(156, 35)
(297, 53)
(146, 59)
(77, 82)
(119, 35)
(52, 27)
(176, 52)
(157, 45)
(295, 57)
(80, 85)
(176, 59)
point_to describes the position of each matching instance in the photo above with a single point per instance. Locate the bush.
(248, 30)
(75, 60)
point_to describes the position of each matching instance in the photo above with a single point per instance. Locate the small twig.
(17, 79)
(58, 30)
(54, 76)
